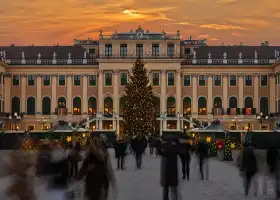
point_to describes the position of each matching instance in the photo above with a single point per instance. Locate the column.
(118, 127)
(150, 76)
(272, 95)
(178, 96)
(116, 91)
(54, 98)
(163, 91)
(7, 92)
(210, 94)
(23, 94)
(39, 94)
(69, 93)
(85, 94)
(100, 97)
(163, 95)
(194, 94)
(240, 90)
(277, 92)
(256, 92)
(225, 92)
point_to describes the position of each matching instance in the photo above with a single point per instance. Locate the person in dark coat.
(120, 153)
(97, 172)
(138, 145)
(185, 158)
(248, 167)
(169, 169)
(273, 161)
(151, 144)
(75, 158)
(203, 155)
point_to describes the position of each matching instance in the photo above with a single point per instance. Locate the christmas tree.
(139, 115)
(227, 148)
(213, 146)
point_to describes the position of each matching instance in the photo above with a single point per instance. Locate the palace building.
(195, 83)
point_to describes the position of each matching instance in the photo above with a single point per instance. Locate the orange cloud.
(221, 27)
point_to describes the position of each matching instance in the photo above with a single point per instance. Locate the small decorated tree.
(213, 146)
(227, 148)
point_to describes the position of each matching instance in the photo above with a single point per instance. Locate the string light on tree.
(227, 148)
(138, 116)
(208, 139)
(213, 146)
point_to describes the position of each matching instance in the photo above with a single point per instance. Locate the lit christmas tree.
(139, 115)
(213, 146)
(227, 148)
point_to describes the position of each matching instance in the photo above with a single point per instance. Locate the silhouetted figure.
(138, 145)
(203, 155)
(273, 161)
(120, 153)
(169, 169)
(75, 158)
(185, 158)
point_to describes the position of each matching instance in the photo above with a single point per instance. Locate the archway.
(46, 106)
(187, 106)
(171, 106)
(77, 106)
(31, 106)
(108, 106)
(264, 105)
(202, 106)
(92, 105)
(15, 105)
(218, 103)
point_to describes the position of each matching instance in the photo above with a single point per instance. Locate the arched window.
(202, 106)
(31, 105)
(77, 106)
(232, 102)
(92, 105)
(108, 106)
(187, 106)
(15, 105)
(171, 106)
(264, 105)
(122, 104)
(46, 106)
(218, 102)
(248, 106)
(61, 102)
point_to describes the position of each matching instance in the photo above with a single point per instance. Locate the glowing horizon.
(41, 22)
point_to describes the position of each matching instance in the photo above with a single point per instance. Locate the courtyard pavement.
(224, 182)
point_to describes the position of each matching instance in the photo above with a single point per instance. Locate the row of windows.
(155, 80)
(139, 50)
(92, 81)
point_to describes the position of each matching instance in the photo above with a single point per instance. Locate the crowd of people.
(58, 165)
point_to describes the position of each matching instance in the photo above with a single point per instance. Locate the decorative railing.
(134, 57)
(187, 61)
(218, 111)
(61, 111)
(91, 61)
(134, 37)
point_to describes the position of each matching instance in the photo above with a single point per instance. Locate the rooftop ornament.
(178, 32)
(54, 55)
(225, 55)
(256, 55)
(39, 56)
(240, 55)
(22, 56)
(209, 55)
(69, 55)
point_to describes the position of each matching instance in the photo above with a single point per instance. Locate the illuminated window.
(171, 106)
(31, 128)
(61, 102)
(187, 105)
(108, 105)
(202, 106)
(91, 105)
(77, 104)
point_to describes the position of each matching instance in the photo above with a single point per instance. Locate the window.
(217, 80)
(187, 106)
(45, 127)
(171, 106)
(123, 50)
(92, 80)
(232, 80)
(31, 106)
(123, 79)
(156, 79)
(31, 80)
(61, 80)
(202, 80)
(187, 51)
(263, 80)
(46, 80)
(16, 80)
(170, 79)
(61, 102)
(108, 79)
(30, 128)
(248, 80)
(155, 50)
(108, 50)
(92, 53)
(139, 49)
(92, 105)
(202, 106)
(187, 80)
(15, 105)
(77, 106)
(46, 106)
(170, 50)
(108, 106)
(77, 80)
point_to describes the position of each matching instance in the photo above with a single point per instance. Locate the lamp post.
(261, 117)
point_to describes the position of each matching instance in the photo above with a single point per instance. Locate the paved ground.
(224, 183)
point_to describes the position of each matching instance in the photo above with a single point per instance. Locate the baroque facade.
(194, 83)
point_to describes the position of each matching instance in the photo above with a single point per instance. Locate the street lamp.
(261, 117)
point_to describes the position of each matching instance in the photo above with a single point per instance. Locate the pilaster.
(23, 93)
(69, 101)
(100, 90)
(225, 91)
(85, 94)
(39, 94)
(256, 92)
(163, 91)
(116, 91)
(54, 98)
(178, 91)
(209, 93)
(194, 94)
(272, 95)
(240, 90)
(7, 92)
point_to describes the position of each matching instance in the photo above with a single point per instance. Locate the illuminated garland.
(227, 148)
(213, 146)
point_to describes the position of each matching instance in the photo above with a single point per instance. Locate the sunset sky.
(40, 22)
